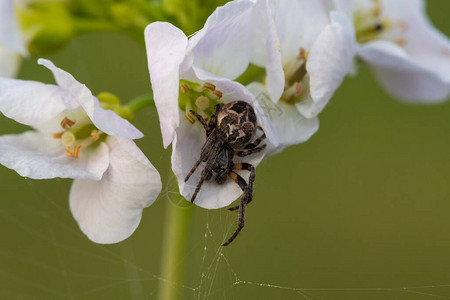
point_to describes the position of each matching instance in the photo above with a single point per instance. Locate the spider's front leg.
(202, 121)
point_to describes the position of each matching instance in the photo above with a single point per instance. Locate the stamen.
(68, 138)
(189, 117)
(208, 86)
(400, 41)
(57, 135)
(95, 135)
(298, 89)
(185, 88)
(75, 153)
(376, 11)
(67, 123)
(202, 102)
(403, 26)
(301, 54)
(218, 93)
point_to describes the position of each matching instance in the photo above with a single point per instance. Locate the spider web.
(53, 260)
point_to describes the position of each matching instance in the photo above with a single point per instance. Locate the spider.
(229, 132)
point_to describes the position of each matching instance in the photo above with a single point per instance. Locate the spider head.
(237, 121)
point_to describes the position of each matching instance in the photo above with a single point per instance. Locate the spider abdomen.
(237, 120)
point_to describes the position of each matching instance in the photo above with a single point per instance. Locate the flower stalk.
(177, 238)
(140, 102)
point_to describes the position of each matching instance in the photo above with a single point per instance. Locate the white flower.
(12, 43)
(410, 57)
(197, 74)
(306, 52)
(74, 137)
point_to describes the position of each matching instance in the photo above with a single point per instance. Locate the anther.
(376, 10)
(75, 153)
(95, 135)
(68, 138)
(403, 25)
(189, 117)
(218, 93)
(202, 102)
(67, 123)
(57, 135)
(400, 41)
(185, 88)
(208, 86)
(298, 89)
(301, 54)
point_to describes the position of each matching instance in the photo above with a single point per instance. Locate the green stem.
(140, 102)
(177, 236)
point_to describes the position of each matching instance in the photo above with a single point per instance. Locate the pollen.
(202, 102)
(75, 153)
(185, 88)
(67, 123)
(57, 135)
(189, 117)
(208, 86)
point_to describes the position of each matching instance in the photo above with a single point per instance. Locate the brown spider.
(231, 128)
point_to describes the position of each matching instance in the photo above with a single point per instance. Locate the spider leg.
(202, 121)
(247, 152)
(247, 188)
(207, 147)
(241, 222)
(213, 119)
(206, 173)
(197, 163)
(256, 142)
(246, 198)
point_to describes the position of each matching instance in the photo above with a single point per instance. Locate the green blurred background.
(361, 211)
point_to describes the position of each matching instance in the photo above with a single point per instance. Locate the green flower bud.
(108, 98)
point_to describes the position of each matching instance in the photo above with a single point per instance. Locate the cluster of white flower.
(303, 50)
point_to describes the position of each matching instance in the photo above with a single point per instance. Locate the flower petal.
(223, 46)
(10, 34)
(291, 127)
(298, 23)
(424, 43)
(403, 77)
(186, 150)
(166, 49)
(328, 63)
(32, 102)
(105, 120)
(39, 156)
(233, 91)
(9, 63)
(109, 211)
(266, 49)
